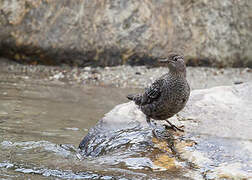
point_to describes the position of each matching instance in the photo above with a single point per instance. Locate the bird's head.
(175, 63)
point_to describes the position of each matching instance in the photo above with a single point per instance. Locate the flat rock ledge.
(216, 144)
(115, 32)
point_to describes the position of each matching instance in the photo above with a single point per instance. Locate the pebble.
(126, 76)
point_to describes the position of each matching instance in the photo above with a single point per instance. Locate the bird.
(167, 95)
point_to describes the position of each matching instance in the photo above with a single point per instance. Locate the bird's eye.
(175, 58)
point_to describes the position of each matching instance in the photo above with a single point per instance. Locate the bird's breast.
(176, 94)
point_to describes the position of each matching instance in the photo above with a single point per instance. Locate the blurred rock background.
(114, 32)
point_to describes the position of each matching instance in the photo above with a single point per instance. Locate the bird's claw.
(173, 127)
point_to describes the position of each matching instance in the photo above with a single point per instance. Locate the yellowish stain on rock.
(163, 160)
(98, 52)
(126, 55)
(17, 57)
(180, 146)
(166, 162)
(161, 144)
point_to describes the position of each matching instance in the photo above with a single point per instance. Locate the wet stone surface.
(216, 143)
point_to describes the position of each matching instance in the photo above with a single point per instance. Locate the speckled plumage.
(168, 94)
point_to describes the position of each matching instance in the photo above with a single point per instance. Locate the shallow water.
(37, 117)
(43, 121)
(42, 124)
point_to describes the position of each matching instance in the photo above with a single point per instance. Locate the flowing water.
(42, 123)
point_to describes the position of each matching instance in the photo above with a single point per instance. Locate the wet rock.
(115, 32)
(216, 143)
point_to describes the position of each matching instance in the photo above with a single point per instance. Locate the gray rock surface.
(216, 143)
(116, 32)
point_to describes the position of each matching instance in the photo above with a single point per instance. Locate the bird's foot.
(173, 127)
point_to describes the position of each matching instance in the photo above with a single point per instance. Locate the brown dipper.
(167, 95)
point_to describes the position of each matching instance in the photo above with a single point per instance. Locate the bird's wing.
(153, 92)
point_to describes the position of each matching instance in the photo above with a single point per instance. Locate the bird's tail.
(136, 98)
(131, 97)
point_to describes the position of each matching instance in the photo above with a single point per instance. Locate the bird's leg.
(153, 127)
(148, 120)
(172, 126)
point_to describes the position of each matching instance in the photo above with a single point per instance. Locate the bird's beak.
(164, 60)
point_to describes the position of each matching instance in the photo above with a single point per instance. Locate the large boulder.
(82, 32)
(216, 143)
